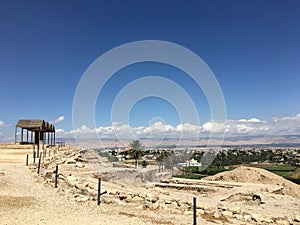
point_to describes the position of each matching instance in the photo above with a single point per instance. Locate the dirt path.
(23, 201)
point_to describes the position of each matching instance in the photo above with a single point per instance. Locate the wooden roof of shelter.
(36, 125)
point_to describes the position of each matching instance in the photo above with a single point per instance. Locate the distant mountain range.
(280, 140)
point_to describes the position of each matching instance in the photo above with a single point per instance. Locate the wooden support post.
(34, 154)
(16, 135)
(99, 191)
(33, 149)
(27, 160)
(56, 176)
(38, 143)
(195, 210)
(27, 136)
(38, 150)
(43, 141)
(21, 135)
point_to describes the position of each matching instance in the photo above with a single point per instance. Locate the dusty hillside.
(258, 176)
(130, 196)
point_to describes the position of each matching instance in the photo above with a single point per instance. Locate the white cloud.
(248, 127)
(60, 131)
(1, 123)
(253, 120)
(214, 126)
(58, 120)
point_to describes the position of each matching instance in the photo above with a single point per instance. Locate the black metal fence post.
(56, 176)
(99, 191)
(195, 210)
(39, 165)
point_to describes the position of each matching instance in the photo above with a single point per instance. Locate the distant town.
(283, 161)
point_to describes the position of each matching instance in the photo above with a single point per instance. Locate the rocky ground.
(135, 196)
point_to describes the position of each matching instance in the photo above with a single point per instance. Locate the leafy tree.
(136, 151)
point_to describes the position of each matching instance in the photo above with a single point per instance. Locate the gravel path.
(23, 201)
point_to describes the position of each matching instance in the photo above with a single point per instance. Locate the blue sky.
(253, 48)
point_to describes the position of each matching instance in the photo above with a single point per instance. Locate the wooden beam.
(15, 135)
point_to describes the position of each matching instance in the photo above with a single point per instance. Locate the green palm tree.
(136, 150)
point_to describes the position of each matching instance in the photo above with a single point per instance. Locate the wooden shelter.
(39, 130)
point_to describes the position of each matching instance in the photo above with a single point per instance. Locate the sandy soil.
(25, 201)
(30, 198)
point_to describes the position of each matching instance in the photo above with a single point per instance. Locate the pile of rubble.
(258, 176)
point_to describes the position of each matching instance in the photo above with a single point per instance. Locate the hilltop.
(136, 196)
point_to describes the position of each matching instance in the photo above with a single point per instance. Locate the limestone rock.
(71, 180)
(79, 165)
(137, 199)
(82, 198)
(227, 214)
(217, 215)
(297, 218)
(71, 161)
(247, 217)
(168, 202)
(128, 199)
(235, 210)
(152, 198)
(61, 161)
(91, 185)
(238, 216)
(106, 200)
(154, 206)
(282, 222)
(123, 195)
